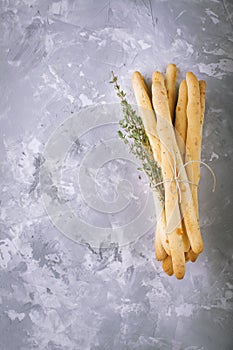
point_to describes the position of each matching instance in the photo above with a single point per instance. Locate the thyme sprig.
(134, 135)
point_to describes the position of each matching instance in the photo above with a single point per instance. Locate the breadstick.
(171, 196)
(161, 107)
(181, 132)
(181, 118)
(202, 85)
(194, 134)
(167, 266)
(149, 122)
(170, 82)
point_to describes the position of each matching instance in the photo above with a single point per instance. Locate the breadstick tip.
(202, 83)
(180, 276)
(136, 75)
(167, 266)
(191, 77)
(171, 66)
(183, 84)
(198, 248)
(157, 77)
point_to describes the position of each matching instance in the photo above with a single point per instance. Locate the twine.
(178, 181)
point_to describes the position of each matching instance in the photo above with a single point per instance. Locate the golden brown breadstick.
(194, 134)
(149, 122)
(167, 266)
(181, 132)
(170, 82)
(202, 85)
(161, 107)
(171, 196)
(181, 118)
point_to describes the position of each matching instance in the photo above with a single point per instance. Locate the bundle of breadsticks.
(173, 126)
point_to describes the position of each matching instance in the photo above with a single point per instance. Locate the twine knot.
(177, 180)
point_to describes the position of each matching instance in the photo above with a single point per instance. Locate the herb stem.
(134, 135)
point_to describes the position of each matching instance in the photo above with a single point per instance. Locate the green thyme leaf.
(135, 136)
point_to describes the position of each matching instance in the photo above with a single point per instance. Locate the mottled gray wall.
(55, 58)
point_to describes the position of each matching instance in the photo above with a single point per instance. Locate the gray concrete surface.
(56, 57)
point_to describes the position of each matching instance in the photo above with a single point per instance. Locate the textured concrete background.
(55, 58)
